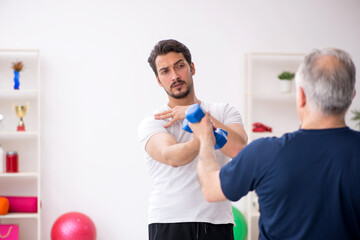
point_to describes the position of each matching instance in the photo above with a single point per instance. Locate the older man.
(308, 181)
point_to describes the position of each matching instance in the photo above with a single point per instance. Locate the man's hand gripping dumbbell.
(194, 114)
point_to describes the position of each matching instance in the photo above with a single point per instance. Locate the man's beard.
(180, 95)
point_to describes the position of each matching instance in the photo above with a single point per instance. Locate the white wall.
(97, 85)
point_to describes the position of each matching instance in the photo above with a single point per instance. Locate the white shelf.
(27, 182)
(20, 50)
(19, 175)
(20, 134)
(257, 135)
(273, 96)
(19, 94)
(274, 55)
(19, 215)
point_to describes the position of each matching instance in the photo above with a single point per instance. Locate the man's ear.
(157, 78)
(354, 93)
(301, 97)
(192, 67)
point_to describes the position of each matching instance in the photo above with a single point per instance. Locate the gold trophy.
(21, 112)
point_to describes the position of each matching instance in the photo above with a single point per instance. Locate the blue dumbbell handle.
(194, 114)
(221, 137)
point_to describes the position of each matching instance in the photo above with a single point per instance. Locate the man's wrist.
(207, 142)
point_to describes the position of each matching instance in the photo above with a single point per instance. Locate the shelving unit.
(27, 144)
(265, 103)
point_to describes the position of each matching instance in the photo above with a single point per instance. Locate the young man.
(177, 209)
(308, 181)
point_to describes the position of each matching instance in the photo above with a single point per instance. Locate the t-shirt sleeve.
(148, 127)
(247, 169)
(232, 115)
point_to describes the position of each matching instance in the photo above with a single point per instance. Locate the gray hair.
(327, 77)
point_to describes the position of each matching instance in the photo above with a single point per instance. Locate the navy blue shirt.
(308, 183)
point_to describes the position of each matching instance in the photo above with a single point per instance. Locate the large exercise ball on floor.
(73, 226)
(240, 228)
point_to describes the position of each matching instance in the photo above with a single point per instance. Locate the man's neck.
(183, 101)
(320, 121)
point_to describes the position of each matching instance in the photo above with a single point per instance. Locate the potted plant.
(356, 118)
(285, 81)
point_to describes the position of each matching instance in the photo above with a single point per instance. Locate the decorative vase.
(16, 80)
(285, 86)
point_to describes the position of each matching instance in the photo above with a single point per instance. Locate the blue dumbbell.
(194, 114)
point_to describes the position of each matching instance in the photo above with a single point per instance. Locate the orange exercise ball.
(4, 205)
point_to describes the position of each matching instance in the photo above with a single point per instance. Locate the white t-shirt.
(176, 194)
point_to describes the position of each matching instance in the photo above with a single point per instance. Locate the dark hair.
(165, 46)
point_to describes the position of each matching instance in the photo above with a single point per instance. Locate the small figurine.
(17, 66)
